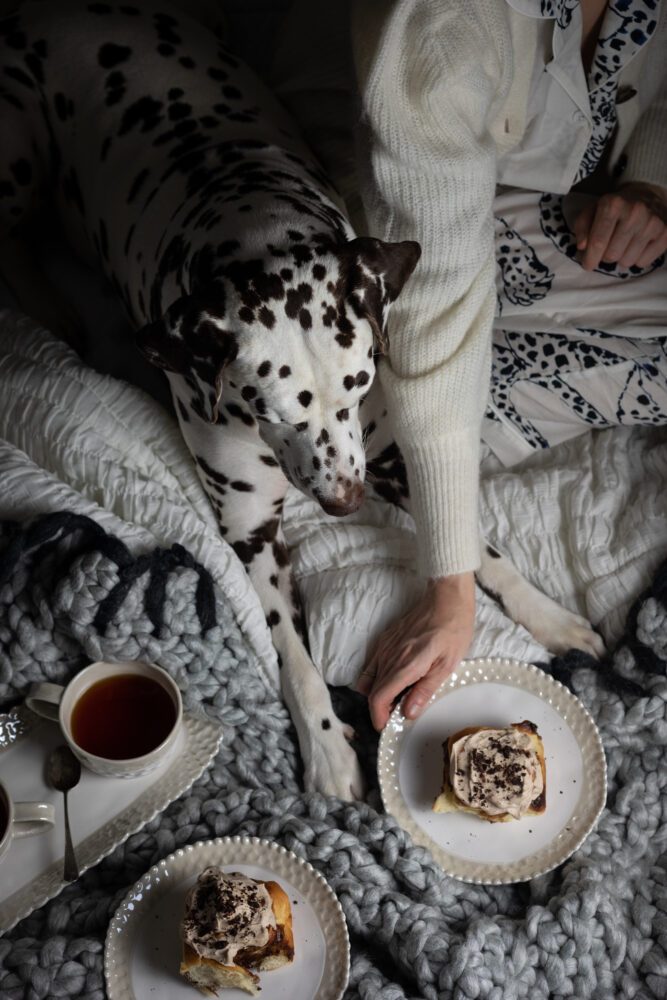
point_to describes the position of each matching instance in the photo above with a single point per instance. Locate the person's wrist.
(458, 586)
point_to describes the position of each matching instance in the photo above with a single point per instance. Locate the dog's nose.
(350, 501)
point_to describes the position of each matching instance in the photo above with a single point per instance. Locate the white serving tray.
(103, 811)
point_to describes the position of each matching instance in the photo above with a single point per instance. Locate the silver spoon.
(63, 771)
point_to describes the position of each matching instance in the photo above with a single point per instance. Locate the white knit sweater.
(440, 97)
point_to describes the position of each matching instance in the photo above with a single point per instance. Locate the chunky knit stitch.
(592, 930)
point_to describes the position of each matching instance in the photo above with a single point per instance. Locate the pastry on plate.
(499, 774)
(233, 927)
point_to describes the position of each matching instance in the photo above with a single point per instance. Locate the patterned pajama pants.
(572, 349)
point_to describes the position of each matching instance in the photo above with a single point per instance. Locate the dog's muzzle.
(351, 500)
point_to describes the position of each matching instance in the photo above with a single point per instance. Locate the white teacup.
(22, 819)
(120, 719)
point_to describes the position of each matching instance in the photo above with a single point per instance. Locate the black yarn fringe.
(40, 539)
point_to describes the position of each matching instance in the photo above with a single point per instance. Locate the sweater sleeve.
(645, 150)
(432, 74)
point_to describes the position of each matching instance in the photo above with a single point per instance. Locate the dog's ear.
(375, 274)
(190, 340)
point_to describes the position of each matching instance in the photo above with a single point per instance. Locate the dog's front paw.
(333, 768)
(560, 630)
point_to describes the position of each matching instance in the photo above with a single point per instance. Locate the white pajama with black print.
(572, 349)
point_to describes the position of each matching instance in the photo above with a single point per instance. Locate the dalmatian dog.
(176, 172)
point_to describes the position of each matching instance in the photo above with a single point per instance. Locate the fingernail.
(414, 709)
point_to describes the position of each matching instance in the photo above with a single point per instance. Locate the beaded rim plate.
(103, 812)
(496, 692)
(142, 950)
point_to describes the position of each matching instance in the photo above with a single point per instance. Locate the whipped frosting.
(496, 770)
(226, 912)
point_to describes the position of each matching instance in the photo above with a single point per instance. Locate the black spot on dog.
(264, 534)
(242, 487)
(213, 474)
(20, 77)
(273, 618)
(302, 426)
(234, 410)
(145, 112)
(305, 398)
(137, 184)
(305, 319)
(285, 371)
(326, 724)
(319, 272)
(492, 552)
(115, 86)
(34, 64)
(266, 317)
(264, 369)
(342, 415)
(111, 55)
(269, 460)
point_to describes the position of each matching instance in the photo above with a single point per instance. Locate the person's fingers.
(420, 694)
(599, 237)
(652, 251)
(582, 225)
(368, 672)
(386, 689)
(633, 251)
(619, 244)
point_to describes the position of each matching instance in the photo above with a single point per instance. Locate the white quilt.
(587, 521)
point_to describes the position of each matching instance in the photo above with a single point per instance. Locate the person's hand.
(628, 227)
(421, 649)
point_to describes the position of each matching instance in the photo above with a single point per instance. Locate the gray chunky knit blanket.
(594, 928)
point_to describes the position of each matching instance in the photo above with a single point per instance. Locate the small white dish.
(142, 953)
(103, 811)
(496, 692)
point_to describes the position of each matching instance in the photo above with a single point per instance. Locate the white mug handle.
(32, 817)
(44, 699)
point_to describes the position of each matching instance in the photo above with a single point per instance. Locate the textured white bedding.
(587, 521)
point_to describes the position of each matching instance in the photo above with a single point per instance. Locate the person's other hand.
(628, 227)
(421, 649)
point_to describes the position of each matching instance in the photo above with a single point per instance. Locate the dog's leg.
(248, 505)
(554, 626)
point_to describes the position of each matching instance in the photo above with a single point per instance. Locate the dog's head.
(291, 347)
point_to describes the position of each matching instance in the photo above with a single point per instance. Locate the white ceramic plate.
(103, 812)
(496, 692)
(142, 954)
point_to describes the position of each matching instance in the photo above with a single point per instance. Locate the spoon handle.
(71, 872)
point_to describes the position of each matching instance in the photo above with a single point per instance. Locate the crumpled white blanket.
(586, 522)
(74, 439)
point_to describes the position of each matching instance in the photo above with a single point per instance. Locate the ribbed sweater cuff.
(646, 152)
(444, 481)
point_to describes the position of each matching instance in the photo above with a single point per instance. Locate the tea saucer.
(143, 950)
(103, 811)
